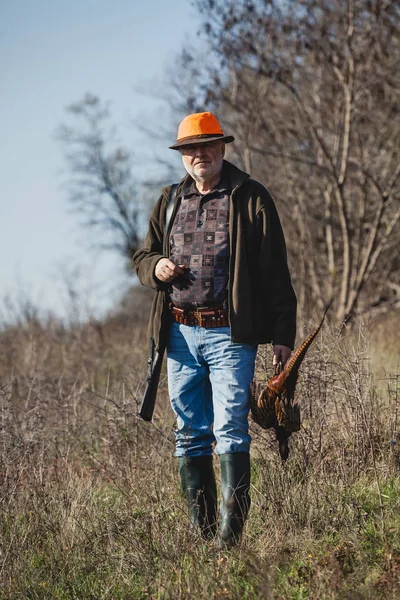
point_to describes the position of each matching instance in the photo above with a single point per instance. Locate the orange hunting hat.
(200, 128)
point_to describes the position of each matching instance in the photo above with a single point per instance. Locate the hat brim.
(194, 141)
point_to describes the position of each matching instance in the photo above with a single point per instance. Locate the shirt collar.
(189, 187)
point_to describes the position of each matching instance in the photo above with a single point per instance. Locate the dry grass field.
(90, 505)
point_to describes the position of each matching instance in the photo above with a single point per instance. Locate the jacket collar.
(235, 175)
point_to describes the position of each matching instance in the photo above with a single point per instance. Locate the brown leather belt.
(203, 317)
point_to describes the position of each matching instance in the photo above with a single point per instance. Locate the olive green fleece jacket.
(261, 300)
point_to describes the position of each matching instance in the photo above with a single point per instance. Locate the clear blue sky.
(51, 53)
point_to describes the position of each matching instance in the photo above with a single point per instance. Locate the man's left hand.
(281, 354)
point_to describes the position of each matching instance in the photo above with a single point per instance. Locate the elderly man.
(223, 287)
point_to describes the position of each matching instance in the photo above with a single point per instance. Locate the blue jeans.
(208, 380)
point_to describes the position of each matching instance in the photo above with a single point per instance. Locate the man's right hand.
(167, 271)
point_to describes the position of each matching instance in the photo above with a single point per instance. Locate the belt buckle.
(207, 318)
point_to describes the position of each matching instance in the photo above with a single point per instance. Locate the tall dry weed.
(90, 505)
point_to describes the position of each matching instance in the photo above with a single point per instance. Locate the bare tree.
(312, 90)
(102, 189)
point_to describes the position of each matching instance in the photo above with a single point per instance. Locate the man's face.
(203, 162)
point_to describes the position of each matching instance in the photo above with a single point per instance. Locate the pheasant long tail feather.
(297, 358)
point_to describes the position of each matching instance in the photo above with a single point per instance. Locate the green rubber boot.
(235, 504)
(200, 490)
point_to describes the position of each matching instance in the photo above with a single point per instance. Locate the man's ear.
(223, 149)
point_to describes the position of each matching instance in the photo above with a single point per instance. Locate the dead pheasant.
(274, 407)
